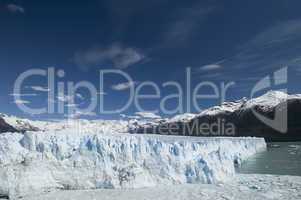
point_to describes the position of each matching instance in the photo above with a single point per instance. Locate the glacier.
(43, 161)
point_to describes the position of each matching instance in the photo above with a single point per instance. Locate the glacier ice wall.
(38, 162)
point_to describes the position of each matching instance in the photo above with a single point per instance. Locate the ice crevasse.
(37, 162)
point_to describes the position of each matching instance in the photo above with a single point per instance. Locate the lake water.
(280, 158)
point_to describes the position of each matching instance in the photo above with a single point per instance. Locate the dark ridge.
(4, 196)
(244, 121)
(5, 127)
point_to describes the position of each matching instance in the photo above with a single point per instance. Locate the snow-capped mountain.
(20, 125)
(182, 117)
(267, 101)
(240, 114)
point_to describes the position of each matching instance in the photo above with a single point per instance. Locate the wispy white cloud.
(23, 95)
(101, 93)
(276, 46)
(70, 98)
(210, 71)
(79, 96)
(187, 21)
(65, 98)
(210, 67)
(114, 55)
(77, 114)
(129, 116)
(149, 115)
(13, 8)
(124, 86)
(39, 88)
(19, 101)
(280, 33)
(71, 105)
(211, 75)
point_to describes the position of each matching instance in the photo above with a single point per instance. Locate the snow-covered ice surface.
(74, 125)
(38, 162)
(247, 187)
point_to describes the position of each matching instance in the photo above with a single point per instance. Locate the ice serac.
(37, 161)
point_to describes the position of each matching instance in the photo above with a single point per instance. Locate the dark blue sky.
(241, 41)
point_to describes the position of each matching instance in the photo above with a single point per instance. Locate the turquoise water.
(282, 158)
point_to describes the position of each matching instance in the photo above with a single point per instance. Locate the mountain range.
(238, 118)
